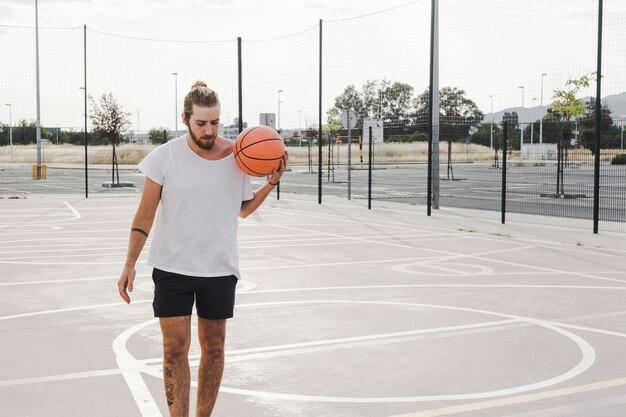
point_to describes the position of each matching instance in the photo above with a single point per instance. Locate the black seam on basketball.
(258, 141)
(247, 133)
(275, 158)
(250, 169)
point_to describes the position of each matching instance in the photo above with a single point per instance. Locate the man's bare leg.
(212, 334)
(176, 341)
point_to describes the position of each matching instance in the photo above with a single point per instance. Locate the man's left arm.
(248, 207)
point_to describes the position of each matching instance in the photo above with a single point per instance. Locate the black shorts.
(174, 295)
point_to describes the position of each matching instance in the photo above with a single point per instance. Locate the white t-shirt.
(195, 232)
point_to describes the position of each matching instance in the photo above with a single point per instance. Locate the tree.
(378, 99)
(457, 114)
(609, 133)
(109, 122)
(351, 99)
(157, 136)
(566, 107)
(397, 103)
(333, 119)
(236, 123)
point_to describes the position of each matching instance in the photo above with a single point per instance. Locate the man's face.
(203, 124)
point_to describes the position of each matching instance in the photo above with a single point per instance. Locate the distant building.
(229, 132)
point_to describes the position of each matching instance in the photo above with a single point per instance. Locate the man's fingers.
(121, 286)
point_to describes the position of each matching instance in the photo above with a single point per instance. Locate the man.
(201, 191)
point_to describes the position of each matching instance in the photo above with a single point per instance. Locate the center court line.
(238, 355)
(519, 399)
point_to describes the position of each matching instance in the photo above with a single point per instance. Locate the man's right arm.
(140, 229)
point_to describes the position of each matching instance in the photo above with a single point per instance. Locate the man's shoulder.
(226, 146)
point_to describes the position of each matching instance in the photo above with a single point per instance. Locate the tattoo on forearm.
(169, 386)
(138, 230)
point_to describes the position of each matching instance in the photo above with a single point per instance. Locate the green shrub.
(619, 159)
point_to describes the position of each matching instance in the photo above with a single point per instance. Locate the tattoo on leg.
(169, 386)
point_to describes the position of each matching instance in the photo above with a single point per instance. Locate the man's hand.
(278, 173)
(125, 283)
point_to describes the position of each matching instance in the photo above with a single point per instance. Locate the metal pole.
(85, 102)
(350, 161)
(240, 83)
(532, 122)
(175, 74)
(369, 171)
(300, 126)
(11, 133)
(38, 92)
(505, 141)
(429, 192)
(319, 135)
(278, 119)
(521, 141)
(491, 128)
(596, 165)
(541, 104)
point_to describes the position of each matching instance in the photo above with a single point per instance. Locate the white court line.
(587, 360)
(286, 290)
(64, 281)
(488, 236)
(132, 369)
(520, 399)
(63, 377)
(77, 215)
(65, 310)
(456, 256)
(238, 355)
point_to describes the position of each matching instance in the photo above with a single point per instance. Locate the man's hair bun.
(199, 84)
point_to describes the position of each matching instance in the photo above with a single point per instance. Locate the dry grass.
(386, 153)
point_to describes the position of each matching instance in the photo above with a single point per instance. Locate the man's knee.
(213, 345)
(176, 347)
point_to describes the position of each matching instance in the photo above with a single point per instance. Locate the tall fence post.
(319, 135)
(596, 163)
(240, 84)
(505, 145)
(85, 88)
(369, 171)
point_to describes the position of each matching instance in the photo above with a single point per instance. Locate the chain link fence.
(495, 65)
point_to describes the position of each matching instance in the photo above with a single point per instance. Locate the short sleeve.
(154, 165)
(246, 188)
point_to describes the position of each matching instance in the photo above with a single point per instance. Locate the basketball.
(258, 150)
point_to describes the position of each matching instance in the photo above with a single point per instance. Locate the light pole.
(541, 118)
(10, 134)
(300, 126)
(532, 125)
(278, 119)
(491, 128)
(38, 125)
(519, 120)
(175, 74)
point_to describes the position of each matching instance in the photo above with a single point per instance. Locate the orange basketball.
(258, 150)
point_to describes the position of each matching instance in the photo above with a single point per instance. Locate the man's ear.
(185, 120)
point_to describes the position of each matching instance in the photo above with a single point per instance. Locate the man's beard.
(207, 146)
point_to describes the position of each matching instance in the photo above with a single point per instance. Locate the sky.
(489, 48)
